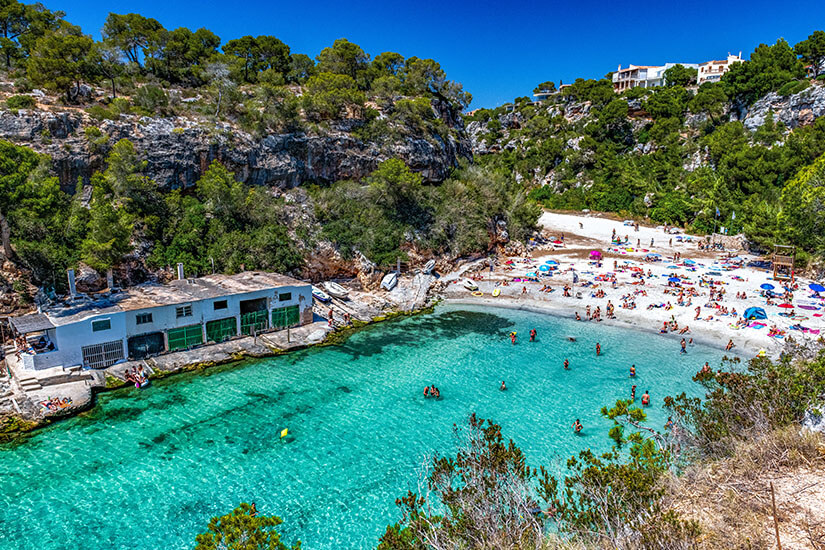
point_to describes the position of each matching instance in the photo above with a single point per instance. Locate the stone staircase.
(28, 382)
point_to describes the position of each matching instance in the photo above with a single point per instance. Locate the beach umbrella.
(786, 306)
(654, 255)
(690, 262)
(552, 262)
(816, 288)
(531, 274)
(595, 254)
(766, 286)
(673, 280)
(544, 268)
(755, 313)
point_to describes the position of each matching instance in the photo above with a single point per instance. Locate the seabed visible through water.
(147, 469)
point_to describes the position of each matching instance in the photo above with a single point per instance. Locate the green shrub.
(151, 98)
(793, 87)
(21, 102)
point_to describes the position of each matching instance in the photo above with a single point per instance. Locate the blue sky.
(498, 50)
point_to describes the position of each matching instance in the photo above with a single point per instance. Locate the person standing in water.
(632, 371)
(633, 393)
(598, 349)
(532, 335)
(566, 364)
(503, 386)
(513, 338)
(577, 426)
(646, 398)
(684, 346)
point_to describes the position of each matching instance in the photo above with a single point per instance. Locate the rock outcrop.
(178, 149)
(795, 110)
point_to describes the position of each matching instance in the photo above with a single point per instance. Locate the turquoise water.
(147, 469)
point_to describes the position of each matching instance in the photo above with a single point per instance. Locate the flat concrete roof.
(151, 295)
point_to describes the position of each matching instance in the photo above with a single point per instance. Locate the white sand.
(596, 235)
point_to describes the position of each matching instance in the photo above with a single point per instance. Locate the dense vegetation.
(120, 218)
(674, 153)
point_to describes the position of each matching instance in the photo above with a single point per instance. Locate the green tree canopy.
(812, 51)
(679, 75)
(62, 59)
(243, 529)
(768, 68)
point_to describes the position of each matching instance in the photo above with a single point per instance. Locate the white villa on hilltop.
(150, 319)
(649, 76)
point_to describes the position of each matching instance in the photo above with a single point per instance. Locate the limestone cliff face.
(795, 110)
(178, 150)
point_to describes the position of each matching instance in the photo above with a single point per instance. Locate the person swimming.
(577, 426)
(503, 386)
(646, 398)
(632, 370)
(566, 364)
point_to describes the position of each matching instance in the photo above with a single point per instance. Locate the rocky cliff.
(794, 110)
(178, 149)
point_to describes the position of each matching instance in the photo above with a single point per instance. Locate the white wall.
(70, 338)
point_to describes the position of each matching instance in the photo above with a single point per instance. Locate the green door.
(253, 321)
(279, 318)
(293, 315)
(185, 337)
(285, 317)
(221, 329)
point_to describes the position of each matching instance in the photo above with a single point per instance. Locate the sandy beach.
(639, 278)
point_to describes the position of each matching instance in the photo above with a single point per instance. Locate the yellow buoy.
(284, 432)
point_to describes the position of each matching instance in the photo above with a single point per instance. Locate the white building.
(151, 319)
(643, 76)
(712, 71)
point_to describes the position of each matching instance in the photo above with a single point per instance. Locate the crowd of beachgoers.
(659, 279)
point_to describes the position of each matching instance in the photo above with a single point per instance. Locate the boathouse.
(99, 330)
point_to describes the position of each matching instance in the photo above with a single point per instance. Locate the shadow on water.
(411, 331)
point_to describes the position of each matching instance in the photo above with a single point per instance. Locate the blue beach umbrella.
(544, 268)
(552, 262)
(531, 274)
(689, 262)
(674, 280)
(816, 288)
(766, 286)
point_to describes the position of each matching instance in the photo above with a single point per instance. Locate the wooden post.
(775, 519)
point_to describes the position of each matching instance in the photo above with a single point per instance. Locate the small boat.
(428, 267)
(469, 285)
(335, 290)
(389, 281)
(320, 295)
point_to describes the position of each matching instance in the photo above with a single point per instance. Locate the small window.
(284, 297)
(143, 318)
(220, 304)
(102, 324)
(183, 311)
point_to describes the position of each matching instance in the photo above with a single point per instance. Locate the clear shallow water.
(147, 469)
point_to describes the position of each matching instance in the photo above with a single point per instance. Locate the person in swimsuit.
(646, 398)
(632, 370)
(503, 386)
(598, 349)
(633, 393)
(566, 364)
(577, 426)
